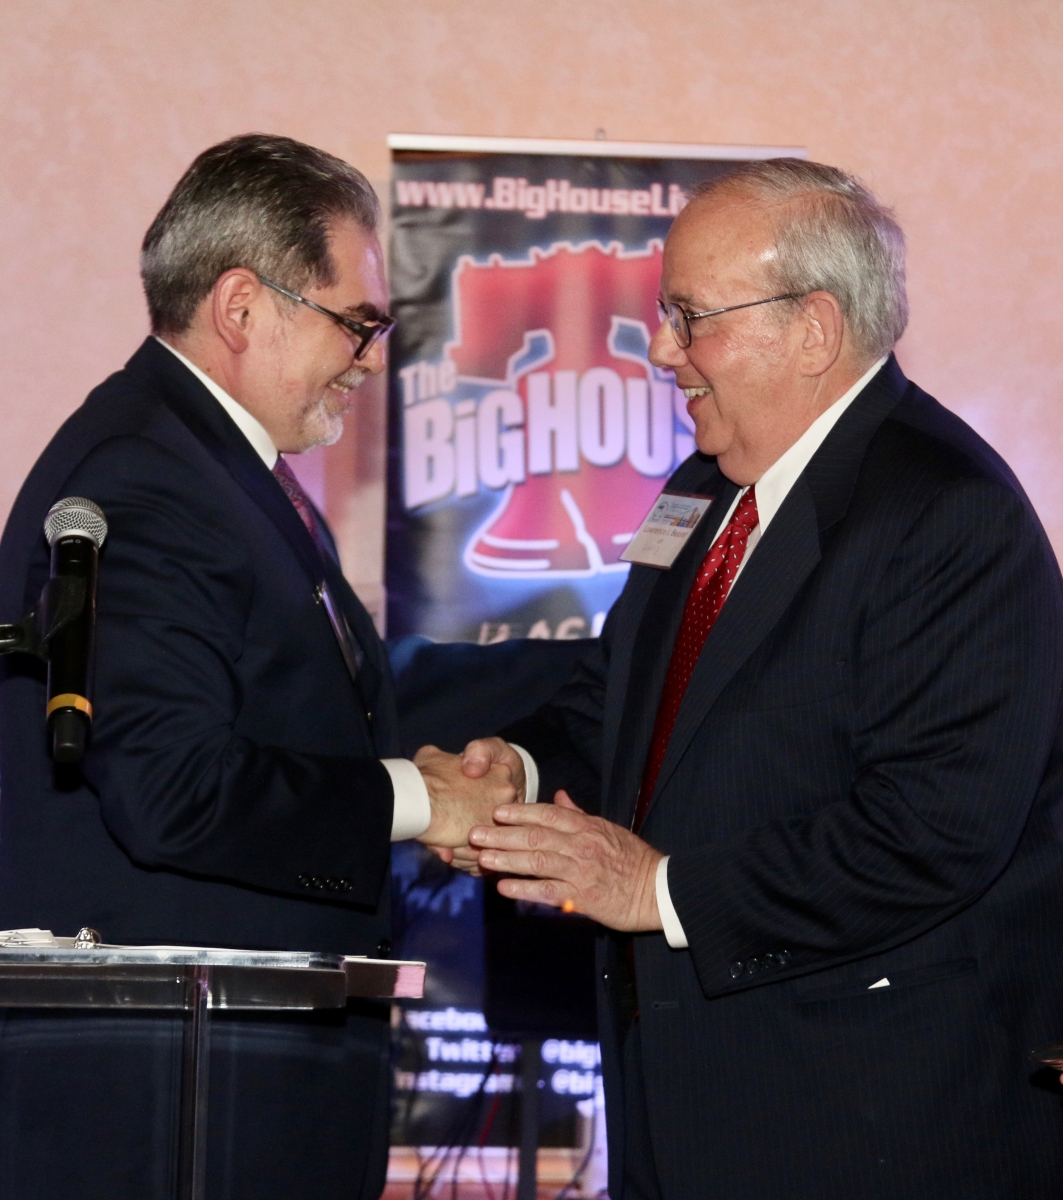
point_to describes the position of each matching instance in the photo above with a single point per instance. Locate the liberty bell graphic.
(574, 429)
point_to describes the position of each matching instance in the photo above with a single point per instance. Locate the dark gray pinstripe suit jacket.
(864, 782)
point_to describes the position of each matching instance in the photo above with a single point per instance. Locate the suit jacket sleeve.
(957, 682)
(179, 786)
(564, 736)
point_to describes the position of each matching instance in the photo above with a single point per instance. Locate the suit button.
(605, 977)
(737, 970)
(333, 885)
(383, 948)
(345, 885)
(305, 881)
(317, 883)
(784, 957)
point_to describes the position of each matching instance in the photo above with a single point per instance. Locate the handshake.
(465, 790)
(552, 854)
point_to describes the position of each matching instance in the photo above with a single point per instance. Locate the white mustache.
(349, 380)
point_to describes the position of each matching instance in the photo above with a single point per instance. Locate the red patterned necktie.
(704, 601)
(293, 489)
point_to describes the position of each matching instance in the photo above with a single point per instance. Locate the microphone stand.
(22, 637)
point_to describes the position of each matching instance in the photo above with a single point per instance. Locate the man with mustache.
(829, 861)
(241, 787)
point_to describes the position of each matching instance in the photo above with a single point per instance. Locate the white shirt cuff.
(413, 809)
(531, 775)
(673, 929)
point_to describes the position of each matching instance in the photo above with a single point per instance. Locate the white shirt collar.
(776, 482)
(252, 429)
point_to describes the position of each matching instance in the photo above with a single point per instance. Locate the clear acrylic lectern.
(195, 981)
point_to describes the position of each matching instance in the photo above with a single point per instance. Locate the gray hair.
(256, 201)
(831, 235)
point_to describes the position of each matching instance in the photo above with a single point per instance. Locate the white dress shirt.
(244, 421)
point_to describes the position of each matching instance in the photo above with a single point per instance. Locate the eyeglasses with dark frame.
(365, 335)
(680, 319)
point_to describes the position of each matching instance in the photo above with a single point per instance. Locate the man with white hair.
(829, 859)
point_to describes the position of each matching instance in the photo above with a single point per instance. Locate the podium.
(195, 981)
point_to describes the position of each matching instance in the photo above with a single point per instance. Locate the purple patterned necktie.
(293, 489)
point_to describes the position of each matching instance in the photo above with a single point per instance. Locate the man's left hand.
(579, 863)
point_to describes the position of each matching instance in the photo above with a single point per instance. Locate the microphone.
(75, 529)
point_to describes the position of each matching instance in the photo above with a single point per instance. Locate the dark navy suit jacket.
(863, 783)
(232, 794)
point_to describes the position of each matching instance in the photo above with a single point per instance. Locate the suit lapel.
(208, 422)
(362, 633)
(197, 409)
(784, 558)
(360, 628)
(615, 732)
(782, 561)
(654, 613)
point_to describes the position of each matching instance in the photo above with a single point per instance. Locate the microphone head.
(75, 516)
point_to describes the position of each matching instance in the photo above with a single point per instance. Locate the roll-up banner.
(529, 432)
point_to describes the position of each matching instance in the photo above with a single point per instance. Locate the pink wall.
(950, 109)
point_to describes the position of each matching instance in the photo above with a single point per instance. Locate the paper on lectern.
(29, 937)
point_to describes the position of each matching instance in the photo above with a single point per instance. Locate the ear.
(232, 302)
(824, 333)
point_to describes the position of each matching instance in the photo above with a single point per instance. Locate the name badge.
(667, 528)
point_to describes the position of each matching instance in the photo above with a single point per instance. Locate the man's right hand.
(460, 800)
(483, 754)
